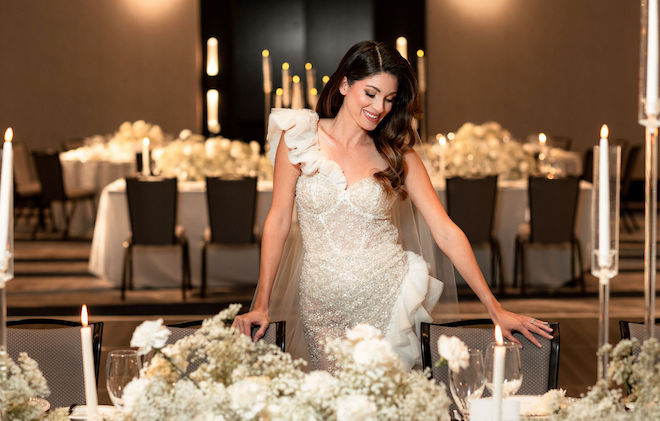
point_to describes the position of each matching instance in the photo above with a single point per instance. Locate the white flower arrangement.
(151, 334)
(20, 383)
(191, 158)
(133, 133)
(454, 352)
(223, 375)
(479, 150)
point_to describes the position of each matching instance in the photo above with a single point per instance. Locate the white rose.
(372, 352)
(184, 134)
(355, 407)
(150, 334)
(363, 331)
(454, 351)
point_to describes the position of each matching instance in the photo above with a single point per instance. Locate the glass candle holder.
(648, 63)
(605, 257)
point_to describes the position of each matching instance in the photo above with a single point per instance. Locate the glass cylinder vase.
(649, 63)
(605, 233)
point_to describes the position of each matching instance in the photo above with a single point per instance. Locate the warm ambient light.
(542, 138)
(325, 79)
(212, 64)
(420, 53)
(441, 140)
(313, 91)
(84, 319)
(308, 66)
(498, 335)
(604, 131)
(285, 66)
(145, 142)
(9, 134)
(279, 91)
(296, 79)
(265, 53)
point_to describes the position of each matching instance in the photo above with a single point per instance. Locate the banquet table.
(547, 266)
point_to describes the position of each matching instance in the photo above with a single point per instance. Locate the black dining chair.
(274, 335)
(49, 170)
(471, 205)
(631, 330)
(553, 207)
(28, 200)
(55, 345)
(628, 168)
(540, 366)
(152, 208)
(231, 205)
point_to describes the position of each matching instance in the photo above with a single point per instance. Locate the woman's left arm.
(456, 246)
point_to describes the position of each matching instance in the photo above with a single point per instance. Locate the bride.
(345, 171)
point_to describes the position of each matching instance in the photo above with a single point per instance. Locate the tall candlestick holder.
(605, 236)
(6, 274)
(649, 76)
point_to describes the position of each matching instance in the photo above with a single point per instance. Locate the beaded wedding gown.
(354, 269)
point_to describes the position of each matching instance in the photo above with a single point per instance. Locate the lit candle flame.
(84, 319)
(265, 53)
(604, 131)
(325, 79)
(420, 53)
(308, 66)
(145, 141)
(296, 79)
(451, 135)
(285, 66)
(313, 91)
(498, 335)
(9, 134)
(542, 138)
(279, 91)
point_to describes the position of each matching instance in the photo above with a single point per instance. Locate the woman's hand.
(244, 323)
(509, 322)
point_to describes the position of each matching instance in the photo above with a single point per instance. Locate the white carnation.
(356, 407)
(372, 352)
(150, 334)
(363, 331)
(454, 351)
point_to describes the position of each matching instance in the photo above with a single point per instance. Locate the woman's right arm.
(276, 230)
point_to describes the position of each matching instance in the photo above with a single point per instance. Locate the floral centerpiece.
(21, 383)
(191, 158)
(480, 150)
(219, 374)
(133, 133)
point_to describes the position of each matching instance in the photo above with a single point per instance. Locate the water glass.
(468, 383)
(512, 368)
(122, 367)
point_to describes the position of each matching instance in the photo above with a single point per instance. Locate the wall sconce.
(212, 103)
(212, 63)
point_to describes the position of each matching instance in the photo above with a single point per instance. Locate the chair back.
(49, 171)
(588, 165)
(561, 142)
(471, 205)
(56, 346)
(552, 205)
(636, 330)
(540, 366)
(274, 334)
(232, 209)
(23, 168)
(152, 207)
(629, 168)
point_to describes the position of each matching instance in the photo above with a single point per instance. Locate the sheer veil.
(414, 236)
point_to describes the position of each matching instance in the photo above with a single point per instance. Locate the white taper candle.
(652, 59)
(6, 186)
(603, 200)
(88, 365)
(498, 373)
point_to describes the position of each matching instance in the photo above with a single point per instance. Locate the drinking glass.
(512, 368)
(122, 367)
(468, 383)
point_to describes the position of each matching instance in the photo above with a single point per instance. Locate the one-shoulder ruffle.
(300, 129)
(419, 293)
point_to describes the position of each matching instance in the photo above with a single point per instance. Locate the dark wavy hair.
(394, 135)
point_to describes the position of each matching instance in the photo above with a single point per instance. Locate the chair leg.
(124, 272)
(523, 269)
(515, 262)
(130, 268)
(580, 278)
(500, 269)
(493, 280)
(204, 270)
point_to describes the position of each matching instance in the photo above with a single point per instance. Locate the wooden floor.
(52, 280)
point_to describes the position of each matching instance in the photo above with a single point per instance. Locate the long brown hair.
(394, 135)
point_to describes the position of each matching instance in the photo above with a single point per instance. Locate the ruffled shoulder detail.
(419, 293)
(300, 129)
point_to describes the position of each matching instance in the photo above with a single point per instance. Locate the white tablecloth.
(547, 266)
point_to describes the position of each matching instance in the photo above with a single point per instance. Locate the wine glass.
(513, 375)
(122, 367)
(468, 383)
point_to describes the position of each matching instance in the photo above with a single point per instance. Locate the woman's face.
(369, 100)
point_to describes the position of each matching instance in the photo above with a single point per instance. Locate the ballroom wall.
(73, 68)
(560, 66)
